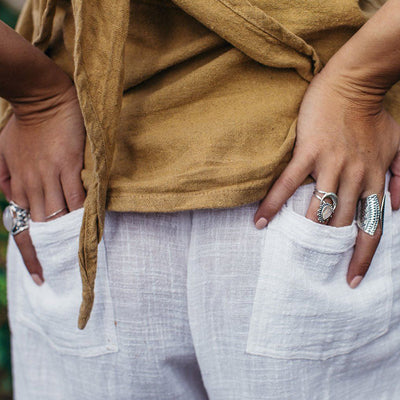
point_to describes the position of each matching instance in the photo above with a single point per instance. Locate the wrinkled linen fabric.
(187, 104)
(201, 305)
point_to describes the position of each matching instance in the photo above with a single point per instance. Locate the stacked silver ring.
(327, 206)
(369, 211)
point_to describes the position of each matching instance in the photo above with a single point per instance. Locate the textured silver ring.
(16, 218)
(56, 213)
(327, 206)
(370, 213)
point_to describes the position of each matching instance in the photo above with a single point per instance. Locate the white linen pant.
(201, 305)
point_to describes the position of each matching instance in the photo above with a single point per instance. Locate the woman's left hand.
(346, 141)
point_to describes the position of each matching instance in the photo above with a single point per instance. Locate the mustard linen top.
(187, 104)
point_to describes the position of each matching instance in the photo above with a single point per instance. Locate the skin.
(42, 145)
(345, 139)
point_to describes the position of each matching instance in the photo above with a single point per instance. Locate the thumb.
(394, 184)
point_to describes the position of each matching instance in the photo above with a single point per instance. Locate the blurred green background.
(8, 14)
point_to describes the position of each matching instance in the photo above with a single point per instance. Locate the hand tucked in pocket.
(42, 144)
(41, 158)
(346, 140)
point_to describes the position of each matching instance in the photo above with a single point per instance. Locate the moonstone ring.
(327, 206)
(15, 218)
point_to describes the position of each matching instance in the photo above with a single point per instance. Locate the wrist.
(354, 85)
(42, 106)
(368, 64)
(27, 75)
(42, 100)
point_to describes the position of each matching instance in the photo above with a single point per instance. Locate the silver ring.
(370, 213)
(56, 213)
(327, 206)
(15, 218)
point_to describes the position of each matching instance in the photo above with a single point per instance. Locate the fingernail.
(261, 223)
(356, 281)
(37, 279)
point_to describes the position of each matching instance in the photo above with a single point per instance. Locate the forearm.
(26, 74)
(370, 61)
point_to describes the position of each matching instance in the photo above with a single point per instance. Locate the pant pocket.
(303, 307)
(52, 309)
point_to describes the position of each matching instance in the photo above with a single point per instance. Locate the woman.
(191, 300)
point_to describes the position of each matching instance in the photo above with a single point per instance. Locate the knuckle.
(340, 162)
(309, 155)
(76, 171)
(30, 178)
(288, 183)
(17, 186)
(376, 179)
(70, 163)
(76, 198)
(71, 172)
(32, 185)
(268, 208)
(358, 174)
(46, 168)
(272, 207)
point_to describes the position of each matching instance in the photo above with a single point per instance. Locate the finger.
(364, 251)
(55, 205)
(348, 195)
(18, 194)
(74, 191)
(394, 183)
(35, 195)
(5, 179)
(23, 239)
(291, 178)
(28, 253)
(326, 182)
(394, 189)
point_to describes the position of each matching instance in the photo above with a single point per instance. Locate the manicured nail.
(261, 223)
(37, 279)
(356, 281)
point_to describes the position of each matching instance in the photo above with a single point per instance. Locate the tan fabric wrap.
(251, 30)
(370, 7)
(99, 82)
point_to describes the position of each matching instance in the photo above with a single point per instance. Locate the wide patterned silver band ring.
(370, 212)
(327, 206)
(16, 218)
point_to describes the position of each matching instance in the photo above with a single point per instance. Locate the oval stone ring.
(327, 206)
(15, 218)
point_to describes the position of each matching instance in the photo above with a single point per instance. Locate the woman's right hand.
(41, 158)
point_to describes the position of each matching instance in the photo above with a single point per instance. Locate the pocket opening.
(303, 307)
(52, 309)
